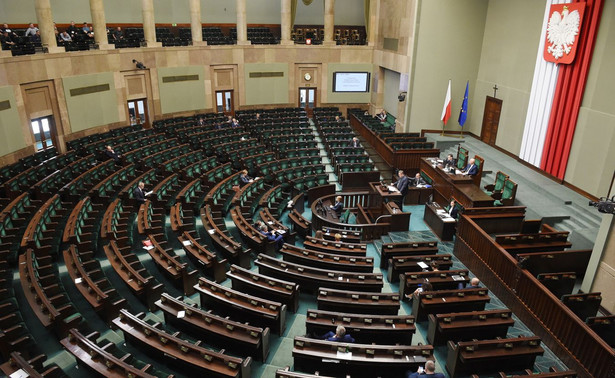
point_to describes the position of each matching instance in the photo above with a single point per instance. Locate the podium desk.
(444, 228)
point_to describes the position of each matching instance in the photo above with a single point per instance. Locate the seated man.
(65, 37)
(339, 335)
(338, 206)
(234, 123)
(471, 169)
(418, 180)
(452, 209)
(450, 162)
(355, 142)
(31, 31)
(382, 116)
(111, 154)
(118, 34)
(474, 284)
(428, 372)
(273, 236)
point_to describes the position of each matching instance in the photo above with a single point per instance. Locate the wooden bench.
(439, 280)
(32, 367)
(241, 306)
(104, 357)
(348, 236)
(251, 235)
(361, 360)
(299, 223)
(224, 242)
(407, 264)
(556, 261)
(390, 250)
(249, 282)
(128, 266)
(463, 326)
(326, 260)
(14, 336)
(180, 352)
(171, 265)
(358, 301)
(584, 305)
(365, 329)
(553, 373)
(339, 248)
(203, 256)
(446, 301)
(46, 296)
(311, 278)
(490, 356)
(240, 338)
(539, 242)
(604, 326)
(86, 272)
(558, 283)
(286, 373)
(266, 216)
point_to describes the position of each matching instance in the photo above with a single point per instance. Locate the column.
(99, 24)
(149, 27)
(45, 25)
(242, 26)
(329, 22)
(285, 24)
(374, 20)
(195, 23)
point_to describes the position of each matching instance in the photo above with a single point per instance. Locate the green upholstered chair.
(462, 157)
(495, 189)
(508, 194)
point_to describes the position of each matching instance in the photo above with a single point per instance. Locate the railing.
(567, 335)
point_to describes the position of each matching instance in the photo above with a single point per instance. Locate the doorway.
(137, 112)
(307, 100)
(491, 120)
(43, 131)
(224, 102)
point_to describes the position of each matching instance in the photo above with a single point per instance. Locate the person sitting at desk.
(471, 169)
(339, 335)
(111, 154)
(355, 142)
(474, 284)
(452, 210)
(418, 180)
(428, 372)
(234, 123)
(244, 179)
(272, 236)
(449, 162)
(338, 206)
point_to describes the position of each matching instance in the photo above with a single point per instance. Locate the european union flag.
(463, 115)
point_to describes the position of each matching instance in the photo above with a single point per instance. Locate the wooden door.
(491, 119)
(224, 102)
(137, 111)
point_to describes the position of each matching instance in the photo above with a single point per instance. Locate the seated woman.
(244, 178)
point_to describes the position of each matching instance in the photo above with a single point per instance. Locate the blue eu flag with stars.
(463, 115)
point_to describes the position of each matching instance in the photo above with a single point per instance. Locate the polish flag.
(446, 111)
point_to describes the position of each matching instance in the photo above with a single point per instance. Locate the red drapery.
(569, 95)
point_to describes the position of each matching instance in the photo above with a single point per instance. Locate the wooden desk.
(460, 187)
(443, 228)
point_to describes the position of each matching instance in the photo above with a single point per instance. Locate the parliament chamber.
(272, 188)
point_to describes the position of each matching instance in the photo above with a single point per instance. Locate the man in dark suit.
(111, 154)
(428, 372)
(402, 185)
(338, 206)
(449, 162)
(139, 193)
(355, 142)
(471, 169)
(339, 335)
(277, 238)
(418, 180)
(452, 210)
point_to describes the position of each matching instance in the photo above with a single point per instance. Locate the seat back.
(500, 178)
(510, 189)
(462, 157)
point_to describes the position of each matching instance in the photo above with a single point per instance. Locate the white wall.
(391, 91)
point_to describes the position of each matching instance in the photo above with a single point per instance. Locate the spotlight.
(139, 65)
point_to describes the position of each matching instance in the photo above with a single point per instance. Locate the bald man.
(428, 372)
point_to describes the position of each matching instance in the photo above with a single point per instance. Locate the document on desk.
(392, 188)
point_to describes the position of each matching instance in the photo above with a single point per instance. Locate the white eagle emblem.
(561, 31)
